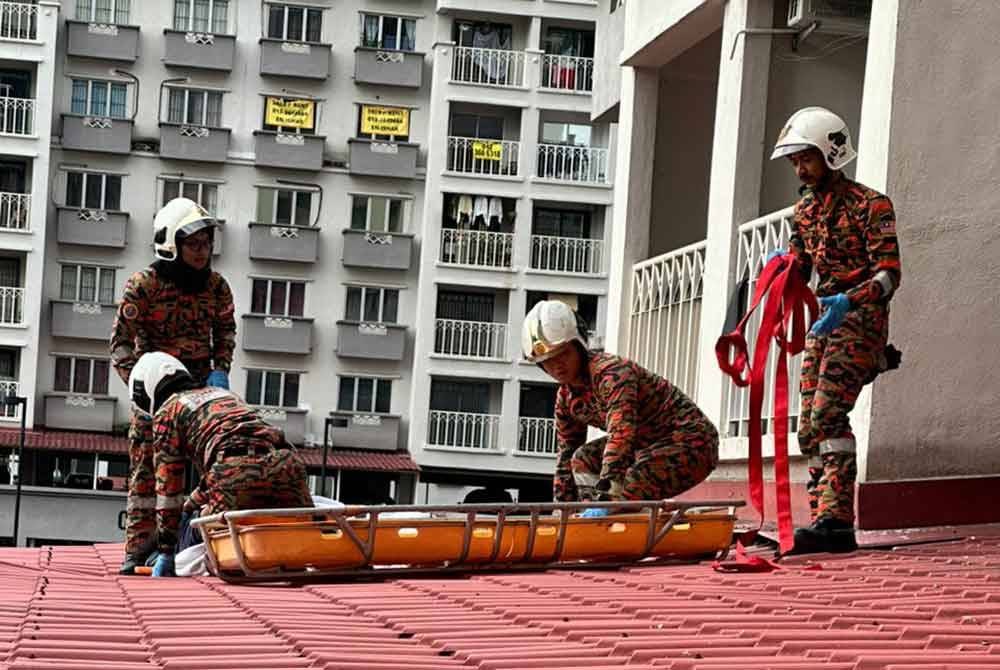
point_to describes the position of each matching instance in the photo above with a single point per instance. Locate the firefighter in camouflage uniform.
(243, 461)
(847, 233)
(180, 306)
(659, 444)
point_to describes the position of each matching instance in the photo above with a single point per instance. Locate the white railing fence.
(17, 116)
(477, 248)
(18, 21)
(583, 165)
(567, 73)
(482, 156)
(14, 211)
(489, 67)
(9, 388)
(537, 436)
(574, 255)
(11, 306)
(464, 430)
(471, 339)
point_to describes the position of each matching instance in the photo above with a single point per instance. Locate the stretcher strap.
(785, 295)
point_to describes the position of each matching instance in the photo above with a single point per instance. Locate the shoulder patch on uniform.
(130, 311)
(887, 222)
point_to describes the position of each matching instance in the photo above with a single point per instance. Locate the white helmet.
(180, 216)
(146, 377)
(548, 328)
(820, 128)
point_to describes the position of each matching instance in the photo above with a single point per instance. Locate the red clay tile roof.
(926, 607)
(345, 459)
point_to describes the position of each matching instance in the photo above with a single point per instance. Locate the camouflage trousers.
(834, 370)
(140, 507)
(268, 480)
(665, 469)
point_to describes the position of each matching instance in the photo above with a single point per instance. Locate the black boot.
(825, 536)
(129, 565)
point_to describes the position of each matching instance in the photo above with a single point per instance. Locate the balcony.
(567, 74)
(495, 158)
(294, 59)
(288, 150)
(72, 411)
(18, 21)
(377, 341)
(194, 143)
(576, 165)
(15, 212)
(537, 437)
(470, 339)
(277, 334)
(102, 40)
(477, 249)
(277, 242)
(388, 67)
(81, 320)
(91, 227)
(291, 420)
(376, 158)
(355, 430)
(567, 255)
(97, 133)
(464, 430)
(17, 117)
(379, 251)
(8, 388)
(202, 51)
(501, 68)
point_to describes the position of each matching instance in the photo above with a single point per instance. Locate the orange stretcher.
(351, 541)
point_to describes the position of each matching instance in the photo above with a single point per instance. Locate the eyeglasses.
(202, 244)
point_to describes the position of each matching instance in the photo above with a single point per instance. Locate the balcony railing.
(581, 165)
(470, 339)
(15, 211)
(537, 436)
(464, 430)
(472, 155)
(9, 388)
(568, 73)
(571, 255)
(11, 306)
(18, 21)
(477, 248)
(17, 116)
(488, 67)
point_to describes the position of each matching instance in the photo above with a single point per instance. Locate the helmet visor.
(789, 149)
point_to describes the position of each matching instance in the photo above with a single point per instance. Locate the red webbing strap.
(785, 295)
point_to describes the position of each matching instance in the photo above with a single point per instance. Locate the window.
(294, 24)
(284, 207)
(473, 125)
(272, 388)
(195, 107)
(562, 223)
(103, 11)
(206, 195)
(569, 42)
(94, 190)
(388, 32)
(371, 304)
(572, 134)
(93, 97)
(201, 16)
(81, 375)
(485, 35)
(87, 283)
(364, 394)
(377, 214)
(278, 297)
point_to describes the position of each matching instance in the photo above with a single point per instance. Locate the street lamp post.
(14, 401)
(327, 427)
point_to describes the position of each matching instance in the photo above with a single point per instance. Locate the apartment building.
(398, 182)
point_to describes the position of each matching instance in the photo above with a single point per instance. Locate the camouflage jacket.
(195, 426)
(633, 405)
(847, 231)
(155, 315)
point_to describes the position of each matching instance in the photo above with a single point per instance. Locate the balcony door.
(465, 306)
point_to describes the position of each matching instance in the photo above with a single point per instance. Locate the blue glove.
(835, 308)
(774, 254)
(595, 512)
(164, 566)
(218, 379)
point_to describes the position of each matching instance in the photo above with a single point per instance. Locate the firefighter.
(180, 306)
(658, 443)
(847, 233)
(244, 462)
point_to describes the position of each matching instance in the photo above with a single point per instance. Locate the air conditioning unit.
(834, 17)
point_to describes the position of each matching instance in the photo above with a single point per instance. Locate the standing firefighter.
(847, 232)
(244, 462)
(659, 444)
(180, 306)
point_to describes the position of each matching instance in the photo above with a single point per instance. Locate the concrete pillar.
(734, 186)
(522, 237)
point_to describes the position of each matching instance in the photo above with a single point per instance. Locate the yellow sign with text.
(290, 113)
(487, 151)
(385, 121)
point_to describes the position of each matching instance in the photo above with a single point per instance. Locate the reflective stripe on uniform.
(885, 280)
(170, 502)
(141, 502)
(838, 445)
(584, 478)
(195, 399)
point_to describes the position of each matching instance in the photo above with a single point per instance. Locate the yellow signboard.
(487, 151)
(290, 113)
(385, 121)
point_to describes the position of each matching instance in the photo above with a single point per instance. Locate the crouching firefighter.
(243, 462)
(658, 443)
(847, 233)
